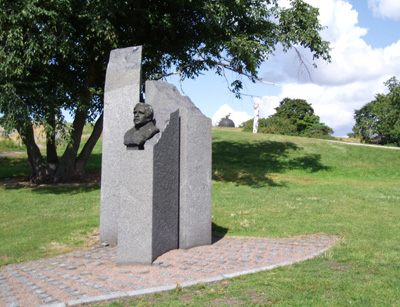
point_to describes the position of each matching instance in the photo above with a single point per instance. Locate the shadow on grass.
(14, 173)
(67, 189)
(251, 164)
(14, 167)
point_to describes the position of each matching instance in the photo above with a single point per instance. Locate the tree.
(279, 125)
(379, 120)
(53, 56)
(293, 117)
(319, 130)
(296, 113)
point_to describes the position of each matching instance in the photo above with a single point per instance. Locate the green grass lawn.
(263, 185)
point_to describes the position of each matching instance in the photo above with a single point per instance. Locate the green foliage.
(278, 125)
(379, 120)
(319, 130)
(297, 113)
(248, 125)
(53, 54)
(292, 117)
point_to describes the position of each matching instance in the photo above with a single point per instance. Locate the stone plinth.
(149, 192)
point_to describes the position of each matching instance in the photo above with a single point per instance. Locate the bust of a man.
(144, 128)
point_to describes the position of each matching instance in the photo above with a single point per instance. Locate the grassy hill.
(263, 185)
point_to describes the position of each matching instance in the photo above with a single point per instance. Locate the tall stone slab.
(122, 92)
(195, 161)
(148, 222)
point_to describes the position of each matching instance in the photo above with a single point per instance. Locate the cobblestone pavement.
(92, 275)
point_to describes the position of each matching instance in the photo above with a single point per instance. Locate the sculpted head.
(142, 114)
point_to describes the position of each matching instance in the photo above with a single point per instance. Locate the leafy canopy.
(293, 117)
(379, 120)
(53, 54)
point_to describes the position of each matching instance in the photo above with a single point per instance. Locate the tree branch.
(220, 64)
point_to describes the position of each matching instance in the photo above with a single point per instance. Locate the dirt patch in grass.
(338, 266)
(80, 241)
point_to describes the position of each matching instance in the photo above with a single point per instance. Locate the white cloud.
(237, 117)
(334, 104)
(385, 8)
(355, 75)
(267, 105)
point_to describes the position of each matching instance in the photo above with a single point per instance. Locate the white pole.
(256, 115)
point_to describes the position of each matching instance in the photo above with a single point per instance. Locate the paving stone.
(68, 290)
(55, 283)
(42, 296)
(144, 272)
(34, 287)
(102, 278)
(165, 265)
(97, 263)
(156, 263)
(77, 292)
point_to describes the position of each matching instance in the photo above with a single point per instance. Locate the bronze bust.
(144, 128)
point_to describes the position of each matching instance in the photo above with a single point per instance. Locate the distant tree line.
(378, 122)
(293, 117)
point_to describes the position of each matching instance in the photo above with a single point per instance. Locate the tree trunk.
(40, 172)
(51, 147)
(66, 170)
(87, 149)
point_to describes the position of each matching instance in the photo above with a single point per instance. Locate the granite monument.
(156, 182)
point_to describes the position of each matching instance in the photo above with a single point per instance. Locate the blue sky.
(365, 38)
